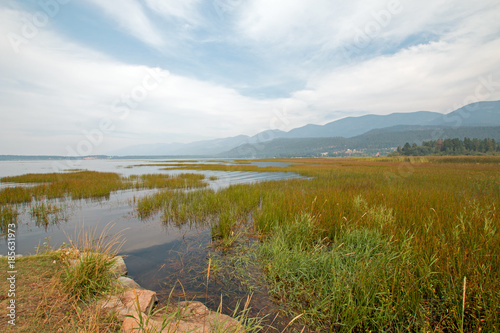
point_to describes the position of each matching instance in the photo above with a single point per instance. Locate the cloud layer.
(195, 70)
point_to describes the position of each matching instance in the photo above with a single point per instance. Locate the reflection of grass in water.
(183, 180)
(77, 185)
(46, 214)
(232, 276)
(88, 184)
(8, 215)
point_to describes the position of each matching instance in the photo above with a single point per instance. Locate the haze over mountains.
(481, 120)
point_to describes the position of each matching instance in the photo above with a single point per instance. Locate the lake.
(157, 254)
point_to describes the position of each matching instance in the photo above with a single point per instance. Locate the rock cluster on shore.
(136, 307)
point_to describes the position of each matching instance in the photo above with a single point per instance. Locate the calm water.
(118, 210)
(157, 255)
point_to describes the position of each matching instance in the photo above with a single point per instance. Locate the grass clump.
(183, 180)
(8, 215)
(90, 275)
(46, 214)
(343, 284)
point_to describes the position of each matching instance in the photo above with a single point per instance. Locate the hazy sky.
(91, 76)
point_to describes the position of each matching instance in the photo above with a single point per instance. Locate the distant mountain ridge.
(370, 143)
(486, 114)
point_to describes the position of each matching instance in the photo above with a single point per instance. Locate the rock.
(112, 303)
(132, 305)
(128, 283)
(196, 316)
(192, 317)
(73, 262)
(119, 267)
(138, 322)
(143, 299)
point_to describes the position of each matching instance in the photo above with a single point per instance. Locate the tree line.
(455, 146)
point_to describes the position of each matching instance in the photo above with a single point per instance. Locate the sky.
(86, 77)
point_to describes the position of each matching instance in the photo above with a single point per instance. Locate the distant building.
(324, 154)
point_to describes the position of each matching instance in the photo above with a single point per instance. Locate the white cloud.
(66, 91)
(55, 89)
(327, 26)
(434, 77)
(130, 16)
(185, 10)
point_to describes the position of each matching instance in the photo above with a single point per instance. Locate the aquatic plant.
(8, 215)
(435, 217)
(46, 214)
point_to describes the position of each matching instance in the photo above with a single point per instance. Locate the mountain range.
(481, 120)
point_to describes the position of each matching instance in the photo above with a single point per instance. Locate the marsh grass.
(8, 215)
(88, 184)
(181, 181)
(42, 306)
(77, 185)
(345, 283)
(90, 275)
(437, 219)
(46, 214)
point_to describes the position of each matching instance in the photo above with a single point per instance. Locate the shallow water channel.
(169, 259)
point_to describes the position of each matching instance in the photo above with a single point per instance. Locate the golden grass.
(442, 211)
(41, 306)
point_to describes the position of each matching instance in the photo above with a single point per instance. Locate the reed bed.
(385, 244)
(89, 184)
(44, 189)
(183, 180)
(46, 214)
(8, 215)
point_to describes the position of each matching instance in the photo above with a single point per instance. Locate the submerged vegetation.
(36, 191)
(46, 214)
(8, 215)
(88, 184)
(391, 244)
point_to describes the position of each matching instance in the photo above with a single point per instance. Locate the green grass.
(183, 180)
(90, 275)
(41, 303)
(77, 185)
(436, 219)
(8, 215)
(88, 184)
(46, 214)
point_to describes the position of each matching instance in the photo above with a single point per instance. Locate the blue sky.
(92, 76)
